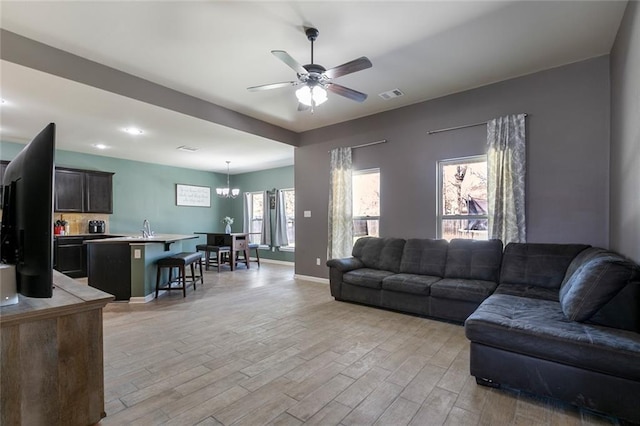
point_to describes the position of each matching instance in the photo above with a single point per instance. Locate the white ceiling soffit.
(86, 116)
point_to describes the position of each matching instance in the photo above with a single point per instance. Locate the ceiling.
(214, 50)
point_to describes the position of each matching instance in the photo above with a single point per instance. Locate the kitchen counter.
(138, 239)
(125, 266)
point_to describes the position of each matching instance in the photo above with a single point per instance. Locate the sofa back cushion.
(379, 253)
(474, 259)
(424, 256)
(542, 265)
(601, 276)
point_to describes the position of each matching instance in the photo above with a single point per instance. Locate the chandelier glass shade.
(227, 192)
(311, 94)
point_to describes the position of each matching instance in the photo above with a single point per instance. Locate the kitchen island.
(125, 266)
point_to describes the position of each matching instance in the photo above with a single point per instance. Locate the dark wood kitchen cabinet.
(98, 192)
(70, 256)
(69, 191)
(83, 191)
(3, 166)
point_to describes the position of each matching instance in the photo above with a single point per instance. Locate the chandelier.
(227, 192)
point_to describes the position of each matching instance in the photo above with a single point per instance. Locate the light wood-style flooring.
(257, 347)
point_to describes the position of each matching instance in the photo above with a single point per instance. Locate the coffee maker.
(96, 226)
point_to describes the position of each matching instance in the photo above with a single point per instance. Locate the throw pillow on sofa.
(595, 283)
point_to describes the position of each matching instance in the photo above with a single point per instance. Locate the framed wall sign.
(192, 195)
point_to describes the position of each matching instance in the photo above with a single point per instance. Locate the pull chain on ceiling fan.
(316, 80)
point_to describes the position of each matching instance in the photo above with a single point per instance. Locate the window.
(257, 216)
(257, 213)
(290, 212)
(366, 203)
(462, 198)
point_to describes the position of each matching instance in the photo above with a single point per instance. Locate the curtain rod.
(362, 145)
(431, 132)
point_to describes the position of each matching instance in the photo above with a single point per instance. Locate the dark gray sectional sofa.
(558, 320)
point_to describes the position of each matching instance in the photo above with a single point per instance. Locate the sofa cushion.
(474, 259)
(532, 291)
(366, 277)
(409, 283)
(594, 283)
(461, 289)
(379, 253)
(424, 256)
(538, 328)
(581, 258)
(542, 265)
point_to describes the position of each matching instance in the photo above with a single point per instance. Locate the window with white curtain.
(366, 203)
(290, 209)
(462, 198)
(256, 216)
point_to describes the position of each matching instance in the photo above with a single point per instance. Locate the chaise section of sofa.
(551, 329)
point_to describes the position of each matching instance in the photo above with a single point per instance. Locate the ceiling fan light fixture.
(311, 94)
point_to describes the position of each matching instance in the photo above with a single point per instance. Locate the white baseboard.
(146, 299)
(311, 278)
(277, 262)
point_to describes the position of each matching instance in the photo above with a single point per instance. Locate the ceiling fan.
(316, 79)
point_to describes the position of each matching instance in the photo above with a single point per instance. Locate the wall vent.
(390, 94)
(187, 148)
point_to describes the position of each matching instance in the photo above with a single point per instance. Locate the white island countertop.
(138, 239)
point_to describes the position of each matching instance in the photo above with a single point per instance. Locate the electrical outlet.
(318, 261)
(137, 254)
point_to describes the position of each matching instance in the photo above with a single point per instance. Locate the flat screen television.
(26, 236)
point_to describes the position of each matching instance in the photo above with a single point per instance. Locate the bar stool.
(221, 254)
(180, 261)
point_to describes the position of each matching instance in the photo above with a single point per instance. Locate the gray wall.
(625, 135)
(568, 158)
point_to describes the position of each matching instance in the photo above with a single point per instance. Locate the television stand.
(52, 357)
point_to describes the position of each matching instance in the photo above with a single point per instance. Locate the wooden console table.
(238, 241)
(52, 357)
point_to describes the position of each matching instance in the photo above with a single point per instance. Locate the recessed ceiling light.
(133, 131)
(187, 148)
(100, 146)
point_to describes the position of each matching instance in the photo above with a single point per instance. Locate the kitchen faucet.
(146, 229)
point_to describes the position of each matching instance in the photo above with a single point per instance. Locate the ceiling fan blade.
(287, 59)
(354, 95)
(356, 65)
(272, 86)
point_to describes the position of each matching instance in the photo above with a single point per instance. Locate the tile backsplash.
(79, 222)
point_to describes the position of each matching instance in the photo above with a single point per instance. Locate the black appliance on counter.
(96, 227)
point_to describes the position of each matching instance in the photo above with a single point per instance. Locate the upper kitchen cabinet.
(83, 191)
(98, 192)
(69, 191)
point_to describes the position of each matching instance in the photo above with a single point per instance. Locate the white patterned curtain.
(265, 238)
(280, 229)
(506, 163)
(340, 204)
(247, 211)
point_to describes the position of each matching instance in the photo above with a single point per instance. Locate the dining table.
(237, 241)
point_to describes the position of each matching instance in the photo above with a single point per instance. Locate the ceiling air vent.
(394, 93)
(187, 148)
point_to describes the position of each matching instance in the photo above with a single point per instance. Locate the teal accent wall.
(279, 178)
(147, 191)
